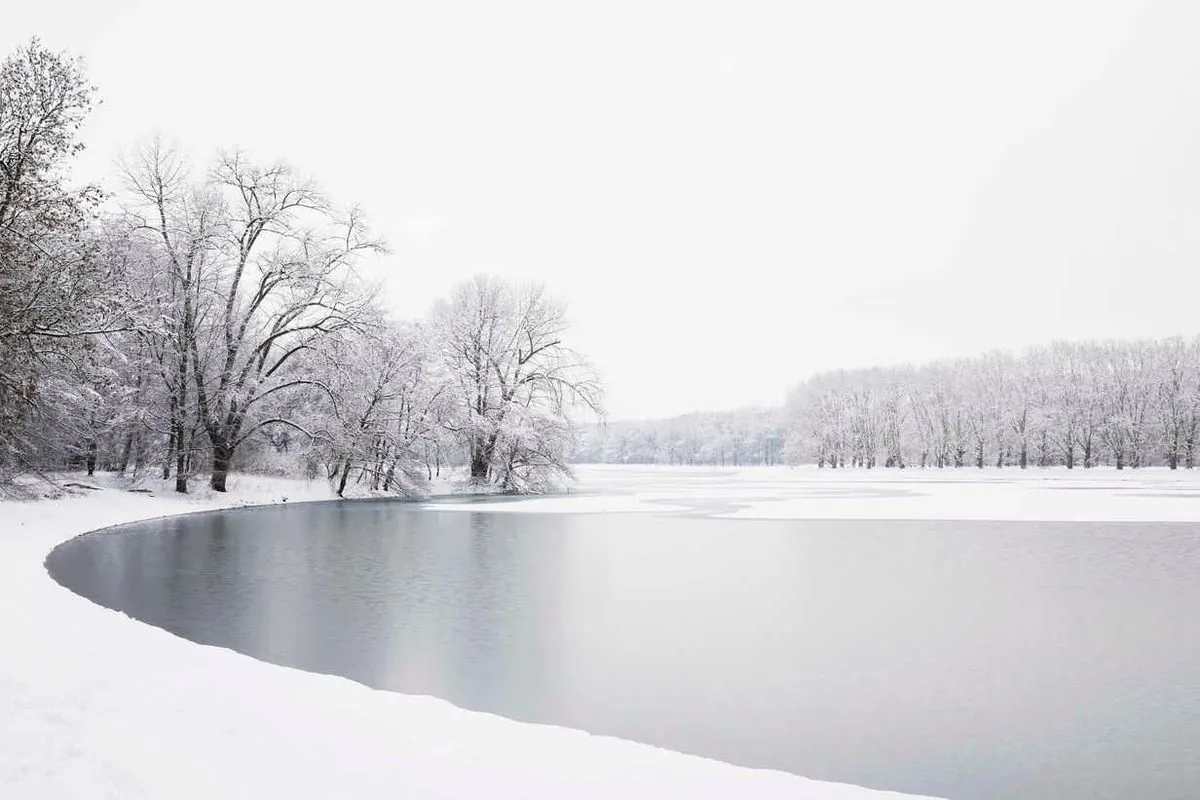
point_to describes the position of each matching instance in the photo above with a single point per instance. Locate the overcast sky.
(730, 195)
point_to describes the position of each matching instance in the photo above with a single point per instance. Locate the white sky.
(730, 195)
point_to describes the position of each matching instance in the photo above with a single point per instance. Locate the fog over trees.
(199, 318)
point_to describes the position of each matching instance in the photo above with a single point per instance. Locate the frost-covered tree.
(388, 406)
(252, 267)
(53, 289)
(180, 224)
(284, 277)
(1128, 404)
(514, 381)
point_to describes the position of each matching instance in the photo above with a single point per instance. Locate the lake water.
(971, 660)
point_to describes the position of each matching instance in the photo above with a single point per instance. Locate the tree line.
(745, 437)
(1074, 404)
(197, 319)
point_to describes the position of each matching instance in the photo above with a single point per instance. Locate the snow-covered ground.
(1057, 494)
(95, 705)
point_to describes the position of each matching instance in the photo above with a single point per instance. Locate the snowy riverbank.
(95, 705)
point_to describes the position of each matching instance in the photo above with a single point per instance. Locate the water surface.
(971, 660)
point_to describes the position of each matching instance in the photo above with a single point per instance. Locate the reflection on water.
(969, 660)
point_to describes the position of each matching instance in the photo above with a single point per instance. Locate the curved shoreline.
(94, 704)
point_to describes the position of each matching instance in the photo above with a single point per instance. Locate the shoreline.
(93, 703)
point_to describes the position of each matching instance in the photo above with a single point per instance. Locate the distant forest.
(1074, 404)
(747, 437)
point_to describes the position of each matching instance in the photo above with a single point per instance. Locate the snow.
(1055, 494)
(96, 705)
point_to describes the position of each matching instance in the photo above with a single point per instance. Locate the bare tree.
(183, 223)
(514, 380)
(284, 278)
(52, 288)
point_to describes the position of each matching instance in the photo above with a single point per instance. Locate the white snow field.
(96, 705)
(1049, 495)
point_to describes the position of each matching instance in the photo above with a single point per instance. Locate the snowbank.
(95, 705)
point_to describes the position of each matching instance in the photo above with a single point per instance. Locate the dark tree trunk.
(481, 459)
(181, 463)
(91, 458)
(221, 459)
(479, 466)
(166, 468)
(345, 476)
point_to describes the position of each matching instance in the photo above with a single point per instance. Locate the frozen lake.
(968, 659)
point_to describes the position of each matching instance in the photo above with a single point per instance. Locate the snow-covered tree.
(514, 380)
(53, 289)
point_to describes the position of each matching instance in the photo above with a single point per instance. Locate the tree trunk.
(126, 449)
(91, 457)
(181, 463)
(221, 459)
(479, 466)
(345, 475)
(138, 452)
(166, 468)
(481, 459)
